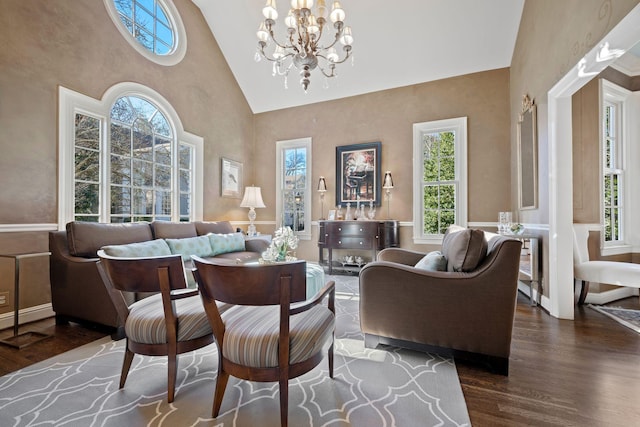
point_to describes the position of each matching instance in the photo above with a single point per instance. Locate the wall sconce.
(322, 188)
(387, 184)
(252, 199)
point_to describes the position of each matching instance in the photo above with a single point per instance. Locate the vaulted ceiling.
(396, 43)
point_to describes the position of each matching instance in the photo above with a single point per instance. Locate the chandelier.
(302, 47)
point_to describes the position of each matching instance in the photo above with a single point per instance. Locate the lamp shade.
(252, 198)
(388, 180)
(322, 185)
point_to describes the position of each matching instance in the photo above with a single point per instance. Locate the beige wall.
(586, 154)
(388, 116)
(75, 44)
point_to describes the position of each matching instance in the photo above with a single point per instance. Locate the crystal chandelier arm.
(269, 24)
(346, 49)
(262, 45)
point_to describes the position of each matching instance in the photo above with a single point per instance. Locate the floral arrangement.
(282, 247)
(517, 228)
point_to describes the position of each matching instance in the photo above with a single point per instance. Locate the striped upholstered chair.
(263, 337)
(169, 322)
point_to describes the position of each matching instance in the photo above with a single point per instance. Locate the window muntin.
(613, 173)
(147, 22)
(141, 162)
(87, 138)
(439, 182)
(294, 198)
(440, 185)
(152, 27)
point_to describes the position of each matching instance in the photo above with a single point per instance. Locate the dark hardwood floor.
(562, 373)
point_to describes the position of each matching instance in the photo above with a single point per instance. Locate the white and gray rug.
(625, 316)
(382, 387)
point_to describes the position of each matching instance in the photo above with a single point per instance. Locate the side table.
(26, 338)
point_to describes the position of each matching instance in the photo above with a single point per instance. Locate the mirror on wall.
(527, 156)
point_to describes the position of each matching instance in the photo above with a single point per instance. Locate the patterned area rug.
(624, 316)
(382, 387)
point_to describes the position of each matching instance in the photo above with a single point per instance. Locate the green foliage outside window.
(140, 172)
(439, 186)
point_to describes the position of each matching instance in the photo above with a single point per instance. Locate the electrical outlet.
(3, 298)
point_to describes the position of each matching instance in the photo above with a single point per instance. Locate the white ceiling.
(396, 43)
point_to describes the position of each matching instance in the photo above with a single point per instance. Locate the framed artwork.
(332, 215)
(527, 156)
(358, 169)
(231, 179)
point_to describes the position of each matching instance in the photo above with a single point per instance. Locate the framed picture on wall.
(358, 169)
(231, 178)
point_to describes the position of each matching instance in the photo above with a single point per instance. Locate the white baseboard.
(612, 295)
(30, 314)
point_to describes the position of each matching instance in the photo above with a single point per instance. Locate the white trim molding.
(20, 228)
(27, 315)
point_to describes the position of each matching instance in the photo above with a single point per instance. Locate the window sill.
(616, 250)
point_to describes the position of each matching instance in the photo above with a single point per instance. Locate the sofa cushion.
(188, 246)
(86, 238)
(217, 227)
(173, 230)
(464, 248)
(225, 243)
(151, 248)
(433, 261)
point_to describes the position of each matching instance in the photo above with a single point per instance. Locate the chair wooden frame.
(137, 275)
(267, 284)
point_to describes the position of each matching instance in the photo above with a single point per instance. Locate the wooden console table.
(364, 235)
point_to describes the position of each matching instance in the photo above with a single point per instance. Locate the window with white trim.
(293, 166)
(126, 158)
(440, 178)
(152, 27)
(613, 163)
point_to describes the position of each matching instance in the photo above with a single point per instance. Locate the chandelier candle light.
(252, 199)
(302, 48)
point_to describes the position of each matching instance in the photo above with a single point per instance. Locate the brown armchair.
(461, 314)
(170, 322)
(264, 337)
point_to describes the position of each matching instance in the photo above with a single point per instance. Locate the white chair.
(607, 272)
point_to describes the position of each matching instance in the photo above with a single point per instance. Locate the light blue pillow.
(225, 243)
(150, 248)
(188, 246)
(433, 261)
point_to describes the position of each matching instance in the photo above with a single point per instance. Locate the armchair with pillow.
(458, 302)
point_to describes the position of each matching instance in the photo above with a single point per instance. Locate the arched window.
(152, 27)
(126, 158)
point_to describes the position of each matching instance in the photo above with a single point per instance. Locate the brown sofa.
(77, 291)
(465, 314)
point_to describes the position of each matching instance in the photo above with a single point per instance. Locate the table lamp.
(322, 188)
(252, 199)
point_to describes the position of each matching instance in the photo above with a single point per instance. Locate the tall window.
(613, 163)
(294, 197)
(124, 160)
(440, 185)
